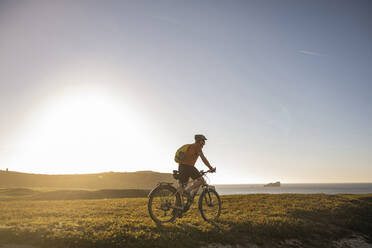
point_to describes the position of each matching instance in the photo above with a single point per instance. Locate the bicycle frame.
(186, 207)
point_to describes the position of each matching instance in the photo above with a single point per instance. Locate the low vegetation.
(262, 219)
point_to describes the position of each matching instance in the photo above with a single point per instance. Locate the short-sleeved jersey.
(192, 154)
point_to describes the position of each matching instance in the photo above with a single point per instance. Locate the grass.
(315, 220)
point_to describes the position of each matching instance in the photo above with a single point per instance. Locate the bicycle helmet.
(199, 137)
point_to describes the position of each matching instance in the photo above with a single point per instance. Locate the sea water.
(295, 188)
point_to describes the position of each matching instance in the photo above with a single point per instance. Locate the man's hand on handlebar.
(211, 170)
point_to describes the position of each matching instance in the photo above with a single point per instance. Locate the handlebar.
(208, 171)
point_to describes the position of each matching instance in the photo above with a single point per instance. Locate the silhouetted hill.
(107, 180)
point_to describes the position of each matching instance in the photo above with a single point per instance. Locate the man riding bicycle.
(187, 168)
(166, 202)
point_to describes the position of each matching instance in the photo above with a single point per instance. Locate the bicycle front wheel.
(210, 205)
(162, 202)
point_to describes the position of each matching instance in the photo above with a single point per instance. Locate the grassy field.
(262, 219)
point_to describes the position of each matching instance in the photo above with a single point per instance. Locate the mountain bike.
(166, 203)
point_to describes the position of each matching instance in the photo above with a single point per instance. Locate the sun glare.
(80, 133)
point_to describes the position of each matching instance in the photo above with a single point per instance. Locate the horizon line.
(77, 174)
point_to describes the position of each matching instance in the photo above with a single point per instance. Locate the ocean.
(295, 188)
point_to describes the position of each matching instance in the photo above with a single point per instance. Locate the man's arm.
(205, 160)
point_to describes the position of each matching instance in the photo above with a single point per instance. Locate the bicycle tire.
(172, 194)
(205, 201)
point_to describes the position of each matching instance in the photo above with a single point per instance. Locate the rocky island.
(276, 184)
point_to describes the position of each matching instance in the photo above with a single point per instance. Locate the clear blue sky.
(281, 89)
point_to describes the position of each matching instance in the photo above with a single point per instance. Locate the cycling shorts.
(187, 171)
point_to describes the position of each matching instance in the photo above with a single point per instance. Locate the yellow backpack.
(181, 153)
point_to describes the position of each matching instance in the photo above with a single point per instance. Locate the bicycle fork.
(210, 203)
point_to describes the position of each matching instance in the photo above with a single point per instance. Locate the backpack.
(181, 153)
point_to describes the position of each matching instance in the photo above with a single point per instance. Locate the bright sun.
(80, 133)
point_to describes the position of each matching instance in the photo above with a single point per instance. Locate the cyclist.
(187, 168)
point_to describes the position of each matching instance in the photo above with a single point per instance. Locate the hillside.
(108, 180)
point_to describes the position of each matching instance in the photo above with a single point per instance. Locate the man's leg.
(195, 184)
(198, 180)
(184, 178)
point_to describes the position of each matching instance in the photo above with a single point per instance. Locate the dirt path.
(355, 241)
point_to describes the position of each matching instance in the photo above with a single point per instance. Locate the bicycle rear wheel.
(210, 205)
(162, 202)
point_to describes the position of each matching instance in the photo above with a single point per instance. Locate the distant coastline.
(296, 188)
